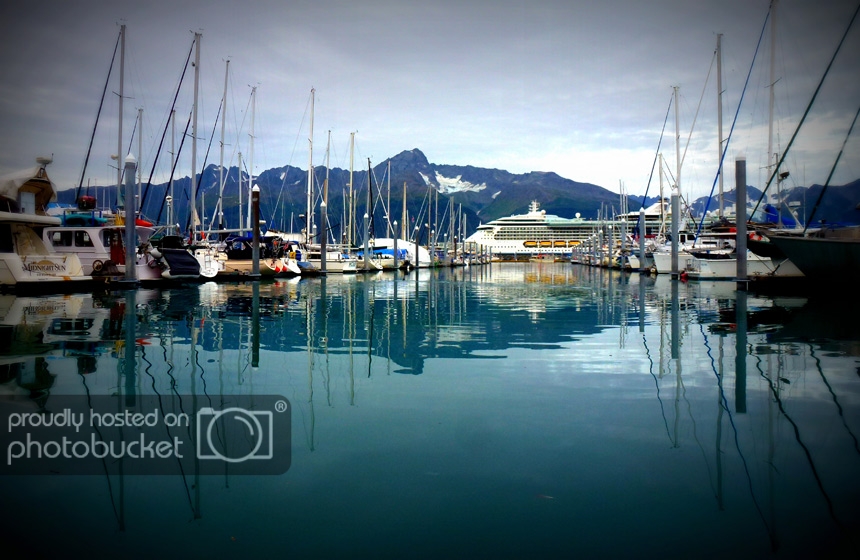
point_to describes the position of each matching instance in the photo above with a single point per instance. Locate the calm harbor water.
(512, 410)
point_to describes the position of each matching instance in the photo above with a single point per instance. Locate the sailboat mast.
(193, 197)
(119, 158)
(435, 222)
(369, 210)
(324, 226)
(771, 156)
(172, 200)
(388, 204)
(251, 158)
(309, 217)
(403, 221)
(720, 116)
(351, 217)
(139, 154)
(240, 193)
(676, 192)
(677, 145)
(221, 164)
(662, 200)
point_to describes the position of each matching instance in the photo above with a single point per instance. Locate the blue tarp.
(771, 215)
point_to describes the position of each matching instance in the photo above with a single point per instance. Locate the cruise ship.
(535, 233)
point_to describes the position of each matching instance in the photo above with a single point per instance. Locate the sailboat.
(98, 239)
(336, 260)
(825, 254)
(759, 264)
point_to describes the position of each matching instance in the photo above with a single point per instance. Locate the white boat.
(101, 249)
(406, 251)
(533, 233)
(211, 260)
(726, 268)
(26, 264)
(336, 262)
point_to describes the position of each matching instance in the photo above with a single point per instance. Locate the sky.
(580, 88)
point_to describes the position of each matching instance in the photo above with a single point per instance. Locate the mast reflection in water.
(508, 410)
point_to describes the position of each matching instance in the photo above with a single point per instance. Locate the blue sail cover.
(402, 254)
(771, 216)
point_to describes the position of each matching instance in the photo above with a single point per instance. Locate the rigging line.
(205, 159)
(805, 449)
(696, 116)
(146, 370)
(290, 162)
(98, 114)
(835, 400)
(166, 125)
(175, 163)
(734, 122)
(832, 170)
(131, 140)
(657, 153)
(696, 435)
(716, 374)
(808, 108)
(104, 463)
(725, 404)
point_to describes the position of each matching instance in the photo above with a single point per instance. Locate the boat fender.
(155, 253)
(755, 237)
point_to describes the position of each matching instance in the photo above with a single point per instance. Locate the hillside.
(482, 194)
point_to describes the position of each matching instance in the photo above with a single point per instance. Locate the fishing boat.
(533, 233)
(26, 264)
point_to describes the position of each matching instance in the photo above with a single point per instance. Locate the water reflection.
(473, 390)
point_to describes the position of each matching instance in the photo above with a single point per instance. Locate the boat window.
(6, 245)
(82, 239)
(61, 238)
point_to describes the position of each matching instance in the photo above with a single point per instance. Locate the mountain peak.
(411, 158)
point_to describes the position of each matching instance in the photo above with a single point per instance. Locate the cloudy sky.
(577, 87)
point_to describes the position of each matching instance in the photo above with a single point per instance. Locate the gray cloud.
(580, 88)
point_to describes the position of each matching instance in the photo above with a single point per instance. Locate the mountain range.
(480, 194)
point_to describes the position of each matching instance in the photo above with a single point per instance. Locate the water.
(512, 410)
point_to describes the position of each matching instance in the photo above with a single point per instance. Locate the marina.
(486, 354)
(505, 410)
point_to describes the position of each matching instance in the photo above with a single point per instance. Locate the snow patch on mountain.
(452, 185)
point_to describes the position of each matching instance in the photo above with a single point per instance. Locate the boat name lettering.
(44, 266)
